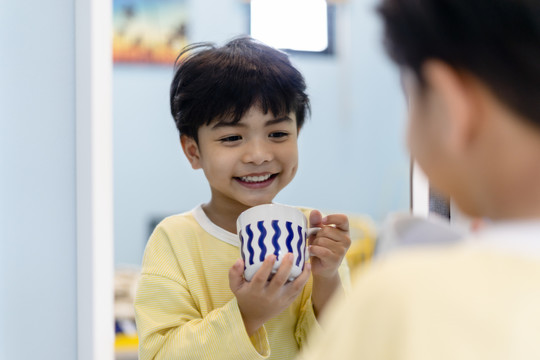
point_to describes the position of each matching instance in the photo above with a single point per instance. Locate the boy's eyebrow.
(285, 118)
(226, 124)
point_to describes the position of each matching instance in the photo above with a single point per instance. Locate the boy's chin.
(255, 202)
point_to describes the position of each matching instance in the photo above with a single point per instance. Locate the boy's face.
(247, 163)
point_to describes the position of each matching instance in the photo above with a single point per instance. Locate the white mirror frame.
(94, 178)
(419, 191)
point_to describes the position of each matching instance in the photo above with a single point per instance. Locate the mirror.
(352, 153)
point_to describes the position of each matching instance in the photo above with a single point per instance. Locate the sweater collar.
(213, 229)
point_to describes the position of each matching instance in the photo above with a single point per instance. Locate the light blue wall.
(352, 154)
(37, 181)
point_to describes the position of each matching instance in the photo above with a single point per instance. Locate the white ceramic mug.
(273, 229)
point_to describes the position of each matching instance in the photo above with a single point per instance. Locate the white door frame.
(94, 179)
(419, 191)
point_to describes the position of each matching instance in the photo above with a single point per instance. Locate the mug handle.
(311, 231)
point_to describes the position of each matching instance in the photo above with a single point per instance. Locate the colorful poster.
(149, 31)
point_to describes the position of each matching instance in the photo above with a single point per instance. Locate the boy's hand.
(259, 300)
(329, 246)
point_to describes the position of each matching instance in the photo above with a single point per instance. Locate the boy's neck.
(512, 183)
(519, 194)
(224, 215)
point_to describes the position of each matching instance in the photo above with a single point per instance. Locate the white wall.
(38, 268)
(352, 154)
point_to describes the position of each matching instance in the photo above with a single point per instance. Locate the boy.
(238, 109)
(471, 70)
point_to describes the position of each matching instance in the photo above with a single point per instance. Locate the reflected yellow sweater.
(185, 308)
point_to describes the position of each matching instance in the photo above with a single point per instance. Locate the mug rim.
(252, 209)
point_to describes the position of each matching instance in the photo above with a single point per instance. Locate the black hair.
(497, 41)
(222, 83)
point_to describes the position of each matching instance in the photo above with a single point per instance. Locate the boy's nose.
(257, 153)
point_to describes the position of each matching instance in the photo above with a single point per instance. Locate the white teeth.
(255, 178)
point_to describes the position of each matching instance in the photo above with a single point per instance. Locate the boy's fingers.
(261, 276)
(341, 221)
(333, 239)
(298, 284)
(236, 275)
(282, 275)
(321, 252)
(315, 218)
(338, 246)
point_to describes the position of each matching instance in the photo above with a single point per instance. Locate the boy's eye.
(230, 138)
(278, 134)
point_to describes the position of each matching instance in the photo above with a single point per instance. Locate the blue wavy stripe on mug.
(249, 244)
(299, 245)
(275, 238)
(262, 229)
(290, 237)
(241, 247)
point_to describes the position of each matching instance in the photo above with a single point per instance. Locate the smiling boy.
(246, 163)
(238, 109)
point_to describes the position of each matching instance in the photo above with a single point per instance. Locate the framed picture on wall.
(149, 31)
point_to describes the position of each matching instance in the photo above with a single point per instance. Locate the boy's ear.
(191, 150)
(458, 102)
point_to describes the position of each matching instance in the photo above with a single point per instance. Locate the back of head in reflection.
(471, 75)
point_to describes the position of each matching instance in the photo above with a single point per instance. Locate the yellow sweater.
(185, 308)
(472, 301)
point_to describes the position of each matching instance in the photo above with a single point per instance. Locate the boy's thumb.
(236, 277)
(315, 218)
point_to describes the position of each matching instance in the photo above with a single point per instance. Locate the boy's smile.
(256, 181)
(246, 163)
